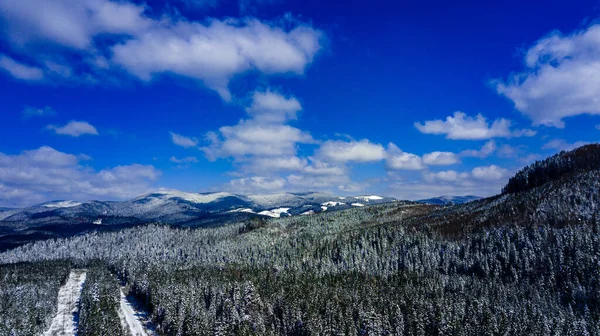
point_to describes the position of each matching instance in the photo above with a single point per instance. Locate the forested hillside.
(525, 263)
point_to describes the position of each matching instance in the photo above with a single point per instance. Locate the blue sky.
(110, 99)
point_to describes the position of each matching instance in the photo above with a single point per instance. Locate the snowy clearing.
(332, 204)
(67, 315)
(358, 204)
(276, 213)
(369, 198)
(132, 319)
(62, 204)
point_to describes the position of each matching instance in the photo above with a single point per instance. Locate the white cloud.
(257, 183)
(488, 173)
(462, 127)
(212, 51)
(562, 145)
(440, 159)
(318, 167)
(70, 23)
(324, 182)
(74, 129)
(273, 164)
(480, 181)
(20, 70)
(486, 150)
(446, 176)
(273, 107)
(183, 141)
(399, 160)
(353, 151)
(561, 79)
(30, 112)
(251, 138)
(46, 174)
(189, 159)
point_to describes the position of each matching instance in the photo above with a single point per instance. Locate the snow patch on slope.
(248, 210)
(332, 204)
(62, 204)
(190, 197)
(358, 204)
(66, 319)
(276, 213)
(369, 198)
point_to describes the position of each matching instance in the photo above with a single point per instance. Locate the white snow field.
(65, 321)
(62, 204)
(132, 319)
(369, 198)
(276, 213)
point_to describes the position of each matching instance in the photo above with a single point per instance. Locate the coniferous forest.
(523, 263)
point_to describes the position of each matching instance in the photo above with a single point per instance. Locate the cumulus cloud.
(257, 183)
(273, 107)
(489, 173)
(183, 141)
(74, 129)
(20, 70)
(353, 151)
(446, 176)
(46, 174)
(462, 127)
(30, 112)
(399, 160)
(252, 138)
(561, 78)
(480, 181)
(212, 51)
(486, 150)
(440, 159)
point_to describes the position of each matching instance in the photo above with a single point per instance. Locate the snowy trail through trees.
(134, 320)
(66, 319)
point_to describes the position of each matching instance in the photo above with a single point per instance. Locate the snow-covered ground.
(62, 204)
(136, 322)
(308, 213)
(358, 204)
(190, 197)
(275, 212)
(248, 210)
(369, 198)
(332, 204)
(66, 319)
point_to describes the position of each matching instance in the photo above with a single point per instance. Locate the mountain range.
(65, 218)
(450, 200)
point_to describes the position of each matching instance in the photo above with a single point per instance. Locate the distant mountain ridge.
(450, 200)
(64, 217)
